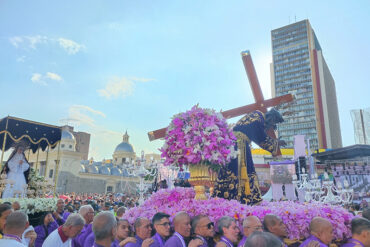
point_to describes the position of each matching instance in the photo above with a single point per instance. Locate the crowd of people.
(85, 226)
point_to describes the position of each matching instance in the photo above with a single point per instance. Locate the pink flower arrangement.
(198, 135)
(296, 216)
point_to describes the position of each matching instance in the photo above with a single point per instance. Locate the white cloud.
(53, 76)
(36, 77)
(102, 139)
(43, 79)
(21, 59)
(70, 46)
(15, 41)
(34, 40)
(141, 79)
(117, 87)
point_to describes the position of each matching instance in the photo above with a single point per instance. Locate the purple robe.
(175, 241)
(89, 241)
(80, 239)
(226, 241)
(138, 243)
(158, 241)
(312, 238)
(353, 243)
(115, 243)
(96, 245)
(205, 243)
(41, 234)
(242, 242)
(65, 215)
(60, 221)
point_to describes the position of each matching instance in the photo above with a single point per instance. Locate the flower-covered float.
(202, 140)
(295, 215)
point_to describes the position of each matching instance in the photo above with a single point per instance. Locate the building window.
(51, 171)
(42, 168)
(62, 145)
(70, 146)
(110, 189)
(123, 160)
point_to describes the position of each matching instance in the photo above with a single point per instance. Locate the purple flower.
(198, 135)
(296, 215)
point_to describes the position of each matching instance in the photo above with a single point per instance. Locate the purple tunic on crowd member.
(353, 243)
(89, 241)
(65, 215)
(175, 241)
(138, 243)
(226, 241)
(312, 238)
(42, 233)
(205, 243)
(60, 221)
(158, 241)
(96, 245)
(80, 239)
(115, 243)
(242, 242)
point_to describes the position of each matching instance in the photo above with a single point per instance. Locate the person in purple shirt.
(182, 225)
(89, 240)
(162, 226)
(203, 229)
(123, 234)
(275, 225)
(47, 226)
(229, 232)
(250, 225)
(87, 212)
(58, 214)
(360, 233)
(266, 239)
(143, 229)
(321, 232)
(104, 228)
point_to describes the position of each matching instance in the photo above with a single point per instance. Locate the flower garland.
(34, 205)
(295, 215)
(198, 135)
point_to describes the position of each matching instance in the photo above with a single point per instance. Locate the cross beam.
(260, 104)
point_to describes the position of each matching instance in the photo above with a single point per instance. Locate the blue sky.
(110, 66)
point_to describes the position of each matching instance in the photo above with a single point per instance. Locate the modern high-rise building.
(361, 125)
(299, 68)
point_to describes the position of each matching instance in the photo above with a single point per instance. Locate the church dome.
(124, 146)
(116, 171)
(104, 170)
(66, 134)
(82, 168)
(93, 169)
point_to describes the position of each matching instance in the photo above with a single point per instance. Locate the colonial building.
(77, 174)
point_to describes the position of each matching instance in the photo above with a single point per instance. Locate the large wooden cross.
(261, 104)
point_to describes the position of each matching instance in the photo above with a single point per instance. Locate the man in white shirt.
(62, 237)
(15, 225)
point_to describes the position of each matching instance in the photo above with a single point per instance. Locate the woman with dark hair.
(47, 226)
(17, 169)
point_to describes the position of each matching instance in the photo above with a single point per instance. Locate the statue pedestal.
(199, 178)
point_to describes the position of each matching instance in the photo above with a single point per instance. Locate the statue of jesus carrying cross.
(239, 180)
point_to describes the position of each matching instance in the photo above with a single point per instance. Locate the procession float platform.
(296, 215)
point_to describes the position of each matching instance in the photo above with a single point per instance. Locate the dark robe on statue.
(238, 179)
